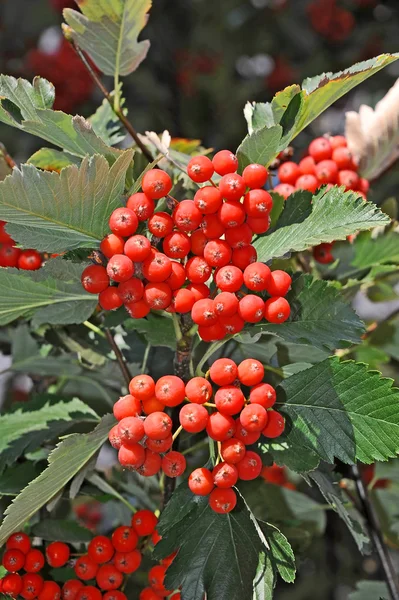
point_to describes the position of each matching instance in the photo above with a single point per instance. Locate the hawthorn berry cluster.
(11, 256)
(278, 476)
(100, 573)
(206, 239)
(234, 419)
(330, 162)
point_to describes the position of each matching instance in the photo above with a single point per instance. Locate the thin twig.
(119, 357)
(116, 108)
(9, 160)
(375, 533)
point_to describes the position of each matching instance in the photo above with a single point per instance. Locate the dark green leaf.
(370, 252)
(16, 477)
(158, 331)
(282, 556)
(53, 530)
(259, 147)
(370, 590)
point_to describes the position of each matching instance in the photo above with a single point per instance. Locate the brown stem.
(119, 113)
(119, 357)
(9, 160)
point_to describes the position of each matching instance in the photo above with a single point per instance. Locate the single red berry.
(255, 176)
(95, 279)
(337, 141)
(158, 425)
(50, 591)
(232, 451)
(275, 424)
(109, 577)
(327, 171)
(132, 456)
(307, 182)
(231, 214)
(127, 562)
(229, 278)
(137, 310)
(251, 308)
(131, 430)
(176, 244)
(157, 267)
(149, 594)
(307, 166)
(198, 390)
(217, 253)
(258, 225)
(151, 465)
(229, 400)
(277, 310)
(142, 386)
(193, 417)
(200, 482)
(120, 268)
(223, 371)
(13, 560)
(220, 427)
(225, 304)
(183, 300)
(349, 179)
(250, 466)
(114, 438)
(86, 568)
(114, 595)
(158, 296)
(156, 184)
(263, 394)
(89, 592)
(232, 325)
(29, 260)
(320, 149)
(141, 205)
(242, 257)
(32, 584)
(222, 501)
(177, 277)
(123, 222)
(5, 238)
(198, 270)
(200, 290)
(71, 588)
(208, 200)
(160, 224)
(170, 390)
(152, 405)
(137, 248)
(18, 541)
(100, 549)
(232, 186)
(200, 169)
(112, 244)
(34, 561)
(109, 299)
(156, 577)
(124, 539)
(322, 253)
(239, 237)
(212, 227)
(288, 172)
(279, 283)
(343, 158)
(159, 446)
(257, 276)
(284, 189)
(253, 417)
(363, 185)
(258, 203)
(246, 437)
(225, 162)
(144, 522)
(11, 585)
(250, 371)
(225, 475)
(131, 290)
(9, 256)
(187, 216)
(173, 464)
(203, 312)
(57, 554)
(212, 333)
(198, 241)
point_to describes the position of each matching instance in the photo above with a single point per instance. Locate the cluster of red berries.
(11, 256)
(141, 440)
(329, 162)
(100, 573)
(278, 476)
(206, 237)
(156, 577)
(89, 513)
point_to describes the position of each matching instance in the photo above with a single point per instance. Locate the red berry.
(212, 227)
(320, 149)
(198, 390)
(343, 158)
(200, 482)
(100, 549)
(160, 224)
(363, 185)
(257, 276)
(124, 539)
(223, 371)
(225, 475)
(95, 279)
(109, 577)
(200, 290)
(137, 248)
(9, 256)
(131, 457)
(200, 169)
(127, 562)
(232, 325)
(212, 333)
(32, 584)
(258, 203)
(279, 283)
(229, 400)
(277, 310)
(322, 253)
(187, 216)
(173, 464)
(208, 200)
(246, 437)
(198, 270)
(203, 312)
(137, 310)
(5, 238)
(86, 568)
(263, 394)
(114, 438)
(220, 427)
(159, 446)
(130, 430)
(231, 214)
(123, 222)
(217, 253)
(258, 225)
(255, 176)
(142, 386)
(152, 405)
(253, 417)
(177, 277)
(114, 595)
(144, 522)
(307, 182)
(50, 591)
(170, 390)
(109, 299)
(229, 278)
(307, 166)
(198, 241)
(327, 171)
(131, 290)
(18, 541)
(13, 560)
(156, 184)
(250, 371)
(158, 296)
(149, 594)
(34, 561)
(141, 205)
(251, 308)
(242, 257)
(89, 592)
(193, 417)
(284, 190)
(349, 179)
(239, 237)
(288, 172)
(29, 260)
(337, 141)
(232, 451)
(275, 424)
(225, 162)
(222, 501)
(120, 268)
(112, 244)
(151, 465)
(158, 426)
(156, 578)
(250, 466)
(232, 186)
(157, 267)
(12, 585)
(71, 588)
(226, 304)
(183, 300)
(57, 554)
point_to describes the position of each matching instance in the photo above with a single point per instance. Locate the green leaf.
(330, 215)
(158, 331)
(54, 212)
(70, 532)
(27, 427)
(328, 484)
(27, 107)
(16, 477)
(53, 295)
(319, 317)
(370, 590)
(281, 554)
(218, 554)
(317, 94)
(341, 410)
(371, 252)
(106, 124)
(108, 32)
(260, 147)
(50, 159)
(65, 461)
(264, 579)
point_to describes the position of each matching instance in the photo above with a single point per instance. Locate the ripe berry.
(212, 333)
(343, 158)
(220, 427)
(5, 238)
(246, 437)
(277, 310)
(200, 290)
(232, 451)
(239, 237)
(337, 141)
(100, 549)
(142, 386)
(50, 591)
(156, 577)
(257, 276)
(284, 189)
(200, 169)
(95, 279)
(9, 256)
(57, 554)
(114, 438)
(198, 270)
(152, 405)
(137, 248)
(157, 267)
(114, 595)
(159, 446)
(29, 260)
(258, 225)
(212, 227)
(89, 592)
(250, 466)
(193, 417)
(12, 585)
(137, 310)
(13, 560)
(255, 176)
(217, 253)
(144, 522)
(258, 203)
(229, 400)
(224, 475)
(307, 182)
(232, 325)
(231, 214)
(225, 304)
(149, 594)
(177, 277)
(327, 171)
(141, 205)
(86, 568)
(229, 279)
(232, 186)
(250, 371)
(32, 584)
(288, 172)
(363, 185)
(320, 149)
(131, 430)
(198, 241)
(225, 162)
(307, 166)
(176, 245)
(203, 312)
(198, 390)
(124, 539)
(34, 561)
(120, 268)
(208, 200)
(156, 184)
(157, 296)
(18, 541)
(242, 257)
(275, 424)
(109, 299)
(253, 417)
(322, 253)
(109, 577)
(183, 300)
(151, 464)
(131, 457)
(160, 224)
(173, 464)
(131, 290)
(158, 425)
(200, 482)
(279, 283)
(127, 562)
(187, 216)
(222, 501)
(170, 390)
(251, 308)
(349, 179)
(112, 244)
(71, 588)
(123, 222)
(263, 394)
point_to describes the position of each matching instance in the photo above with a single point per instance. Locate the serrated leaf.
(65, 461)
(218, 554)
(371, 252)
(281, 554)
(53, 295)
(319, 317)
(27, 107)
(54, 212)
(370, 590)
(53, 530)
(260, 147)
(335, 214)
(106, 124)
(50, 159)
(158, 331)
(108, 32)
(341, 410)
(264, 579)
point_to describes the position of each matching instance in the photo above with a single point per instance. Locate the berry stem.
(212, 348)
(145, 358)
(177, 432)
(94, 328)
(119, 357)
(176, 325)
(108, 489)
